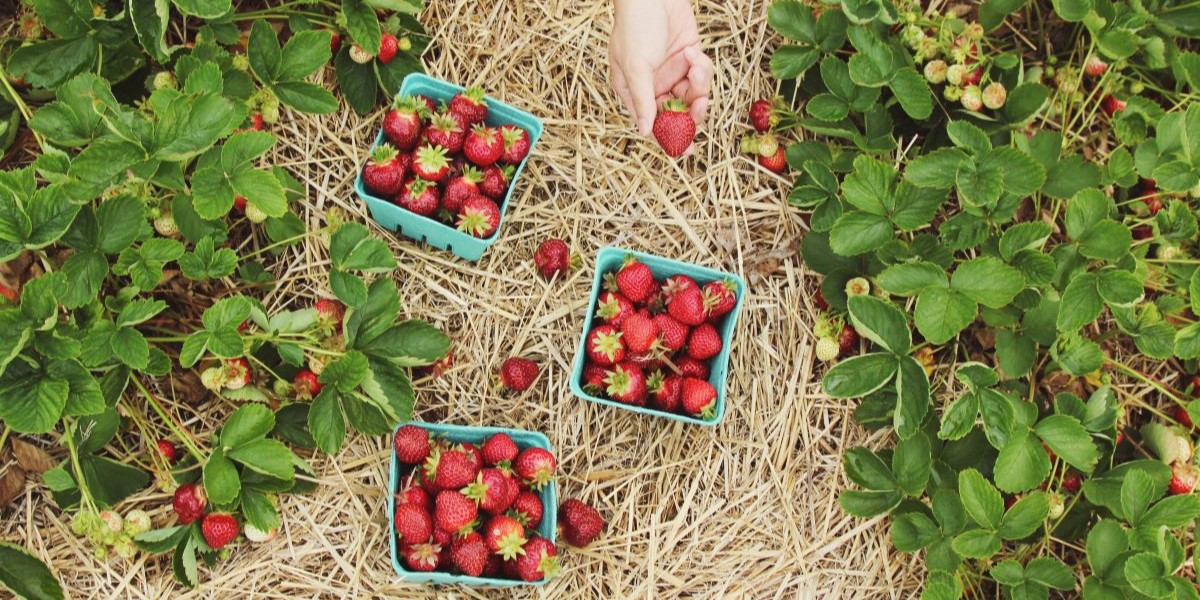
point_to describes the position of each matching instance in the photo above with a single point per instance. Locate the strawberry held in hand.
(674, 128)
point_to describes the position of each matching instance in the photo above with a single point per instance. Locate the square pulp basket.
(608, 260)
(548, 528)
(425, 229)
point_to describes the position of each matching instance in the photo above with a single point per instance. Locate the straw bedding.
(745, 510)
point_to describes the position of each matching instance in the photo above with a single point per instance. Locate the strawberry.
(972, 98)
(330, 313)
(472, 452)
(335, 41)
(387, 48)
(516, 144)
(1094, 67)
(1181, 414)
(419, 196)
(719, 298)
(613, 308)
(219, 529)
(699, 398)
(499, 449)
(688, 307)
(819, 301)
(775, 163)
(1153, 204)
(690, 367)
(604, 346)
(483, 145)
(422, 557)
(256, 122)
(762, 115)
(384, 172)
(639, 332)
(411, 444)
(675, 284)
(442, 538)
(847, 339)
(552, 257)
(461, 187)
(535, 466)
(413, 524)
(305, 384)
(455, 469)
(469, 107)
(704, 342)
(540, 560)
(517, 374)
(1111, 105)
(478, 216)
(402, 124)
(995, 95)
(594, 376)
(430, 105)
(169, 451)
(665, 391)
(495, 564)
(469, 554)
(635, 281)
(580, 523)
(416, 496)
(1183, 479)
(9, 295)
(453, 511)
(1142, 232)
(489, 491)
(627, 383)
(237, 373)
(505, 536)
(672, 334)
(972, 77)
(495, 181)
(674, 128)
(827, 349)
(360, 55)
(1072, 482)
(527, 509)
(429, 163)
(445, 132)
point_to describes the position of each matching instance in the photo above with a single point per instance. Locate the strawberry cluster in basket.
(656, 340)
(474, 510)
(446, 162)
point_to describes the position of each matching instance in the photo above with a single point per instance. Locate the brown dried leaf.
(32, 458)
(12, 483)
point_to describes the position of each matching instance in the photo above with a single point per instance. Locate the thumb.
(640, 78)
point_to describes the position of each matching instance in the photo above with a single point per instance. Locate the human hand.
(654, 53)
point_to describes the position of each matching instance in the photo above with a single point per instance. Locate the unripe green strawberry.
(828, 349)
(240, 62)
(165, 225)
(270, 110)
(935, 71)
(254, 214)
(137, 522)
(1168, 252)
(994, 95)
(858, 286)
(213, 378)
(404, 44)
(952, 93)
(165, 80)
(1057, 505)
(125, 548)
(258, 536)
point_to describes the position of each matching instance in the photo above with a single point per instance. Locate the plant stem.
(4, 436)
(295, 238)
(170, 421)
(84, 493)
(21, 106)
(1144, 379)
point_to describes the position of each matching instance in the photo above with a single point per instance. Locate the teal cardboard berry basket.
(548, 528)
(433, 232)
(608, 260)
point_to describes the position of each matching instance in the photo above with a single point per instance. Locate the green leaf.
(1070, 175)
(26, 576)
(353, 248)
(183, 562)
(987, 281)
(266, 456)
(1105, 542)
(913, 92)
(1068, 439)
(1107, 240)
(409, 344)
(306, 97)
(139, 311)
(942, 313)
(1137, 493)
(362, 25)
(248, 423)
(1081, 303)
(912, 464)
(993, 12)
(302, 55)
(908, 279)
(33, 402)
(325, 421)
(980, 499)
(205, 9)
(881, 322)
(857, 232)
(161, 540)
(243, 147)
(791, 61)
(868, 504)
(356, 82)
(913, 531)
(1022, 464)
(937, 169)
(1050, 572)
(1022, 175)
(263, 52)
(261, 189)
(868, 470)
(860, 375)
(111, 482)
(259, 511)
(206, 262)
(221, 482)
(912, 397)
(1147, 574)
(131, 347)
(977, 543)
(1025, 516)
(1119, 288)
(868, 188)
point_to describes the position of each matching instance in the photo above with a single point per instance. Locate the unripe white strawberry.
(1094, 67)
(125, 548)
(955, 74)
(994, 95)
(858, 286)
(360, 55)
(1168, 252)
(137, 522)
(213, 378)
(767, 145)
(316, 364)
(935, 71)
(254, 214)
(257, 535)
(827, 349)
(165, 225)
(1057, 506)
(972, 98)
(113, 524)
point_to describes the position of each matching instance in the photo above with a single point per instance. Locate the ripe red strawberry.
(674, 128)
(1181, 414)
(540, 560)
(593, 377)
(483, 145)
(489, 491)
(704, 342)
(1094, 67)
(469, 554)
(672, 334)
(627, 383)
(453, 511)
(335, 41)
(552, 257)
(1072, 482)
(535, 466)
(675, 284)
(472, 451)
(169, 451)
(688, 307)
(580, 523)
(499, 449)
(469, 107)
(460, 188)
(613, 308)
(442, 537)
(384, 172)
(1142, 232)
(429, 163)
(219, 529)
(605, 346)
(1111, 105)
(430, 105)
(495, 564)
(422, 557)
(762, 116)
(649, 361)
(419, 196)
(665, 391)
(445, 132)
(455, 469)
(413, 524)
(495, 181)
(505, 536)
(189, 502)
(330, 312)
(416, 496)
(775, 163)
(411, 444)
(516, 144)
(402, 124)
(387, 48)
(699, 398)
(8, 294)
(847, 339)
(690, 367)
(305, 384)
(478, 216)
(635, 281)
(972, 77)
(527, 509)
(1183, 479)
(719, 298)
(517, 374)
(1153, 204)
(256, 122)
(639, 332)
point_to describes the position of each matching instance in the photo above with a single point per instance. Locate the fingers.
(622, 88)
(700, 79)
(640, 78)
